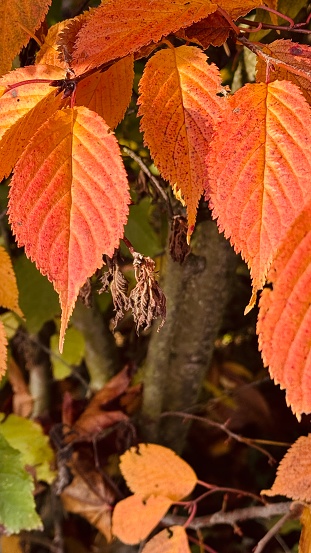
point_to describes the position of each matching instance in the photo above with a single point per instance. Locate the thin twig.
(292, 513)
(271, 61)
(232, 517)
(224, 428)
(152, 178)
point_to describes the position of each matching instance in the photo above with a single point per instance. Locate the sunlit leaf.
(68, 201)
(284, 322)
(259, 173)
(108, 93)
(179, 109)
(24, 109)
(16, 18)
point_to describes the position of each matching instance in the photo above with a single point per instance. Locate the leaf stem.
(151, 177)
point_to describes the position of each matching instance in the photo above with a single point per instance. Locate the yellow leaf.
(170, 540)
(108, 93)
(151, 469)
(305, 538)
(15, 17)
(134, 518)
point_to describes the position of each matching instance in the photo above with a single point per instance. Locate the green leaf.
(37, 298)
(17, 506)
(73, 353)
(139, 230)
(27, 437)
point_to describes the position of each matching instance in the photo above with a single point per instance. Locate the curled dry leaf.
(115, 280)
(214, 30)
(179, 249)
(98, 415)
(147, 300)
(91, 498)
(151, 469)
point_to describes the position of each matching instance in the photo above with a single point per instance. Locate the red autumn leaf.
(17, 17)
(293, 477)
(24, 109)
(120, 27)
(259, 170)
(69, 200)
(8, 286)
(179, 107)
(108, 93)
(3, 350)
(296, 56)
(284, 323)
(213, 30)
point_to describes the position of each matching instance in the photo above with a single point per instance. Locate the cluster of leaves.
(247, 153)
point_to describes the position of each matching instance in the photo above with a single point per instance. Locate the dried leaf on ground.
(89, 497)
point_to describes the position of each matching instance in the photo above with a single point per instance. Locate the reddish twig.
(224, 428)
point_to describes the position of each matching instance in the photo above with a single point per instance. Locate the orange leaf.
(134, 518)
(69, 200)
(48, 53)
(15, 17)
(305, 537)
(170, 540)
(284, 323)
(8, 286)
(259, 171)
(298, 56)
(89, 497)
(179, 108)
(108, 93)
(151, 469)
(120, 27)
(24, 109)
(213, 30)
(293, 477)
(3, 350)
